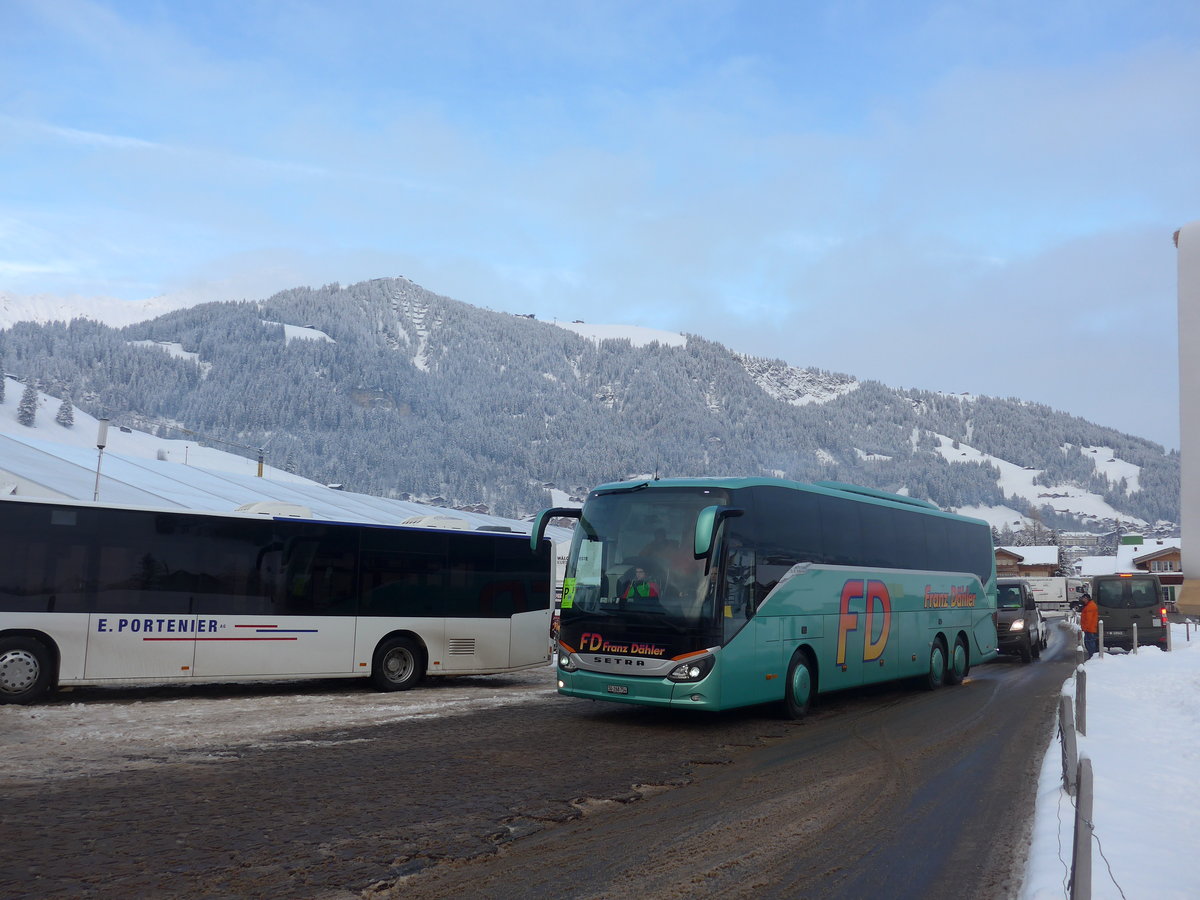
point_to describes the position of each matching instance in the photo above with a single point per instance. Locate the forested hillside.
(415, 394)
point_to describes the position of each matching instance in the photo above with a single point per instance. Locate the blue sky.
(973, 196)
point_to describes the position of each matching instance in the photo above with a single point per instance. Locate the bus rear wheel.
(959, 663)
(24, 670)
(800, 687)
(398, 665)
(935, 677)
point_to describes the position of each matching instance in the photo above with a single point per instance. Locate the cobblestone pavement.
(331, 814)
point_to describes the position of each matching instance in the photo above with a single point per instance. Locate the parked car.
(1020, 627)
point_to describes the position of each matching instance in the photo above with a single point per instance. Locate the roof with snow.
(1035, 556)
(1129, 554)
(55, 462)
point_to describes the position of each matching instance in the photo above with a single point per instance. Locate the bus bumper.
(641, 691)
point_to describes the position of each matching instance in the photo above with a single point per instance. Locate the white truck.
(1055, 595)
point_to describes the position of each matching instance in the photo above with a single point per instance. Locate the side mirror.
(543, 519)
(707, 523)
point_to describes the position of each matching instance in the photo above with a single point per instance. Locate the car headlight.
(692, 669)
(565, 662)
(1017, 625)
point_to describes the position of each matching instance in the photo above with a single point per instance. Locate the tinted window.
(516, 564)
(1127, 593)
(44, 559)
(911, 543)
(787, 530)
(843, 533)
(317, 566)
(797, 526)
(403, 572)
(880, 546)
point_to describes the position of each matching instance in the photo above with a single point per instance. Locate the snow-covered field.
(1018, 481)
(100, 730)
(1143, 726)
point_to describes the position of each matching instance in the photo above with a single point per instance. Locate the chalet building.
(1135, 553)
(1160, 556)
(1031, 562)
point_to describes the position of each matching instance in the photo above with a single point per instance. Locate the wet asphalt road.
(888, 791)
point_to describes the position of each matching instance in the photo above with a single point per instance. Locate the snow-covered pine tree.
(27, 408)
(66, 414)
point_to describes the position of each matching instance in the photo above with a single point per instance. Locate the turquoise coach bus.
(713, 593)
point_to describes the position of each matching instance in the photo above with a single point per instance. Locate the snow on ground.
(99, 730)
(130, 442)
(1116, 469)
(172, 348)
(301, 333)
(636, 334)
(1018, 481)
(1143, 722)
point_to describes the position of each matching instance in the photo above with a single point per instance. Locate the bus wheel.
(24, 670)
(397, 665)
(960, 662)
(800, 686)
(936, 676)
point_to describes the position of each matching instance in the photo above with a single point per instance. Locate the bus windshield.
(632, 558)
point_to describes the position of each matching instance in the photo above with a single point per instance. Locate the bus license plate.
(618, 689)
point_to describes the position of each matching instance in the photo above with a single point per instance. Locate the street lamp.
(101, 441)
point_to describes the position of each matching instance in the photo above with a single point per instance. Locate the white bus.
(93, 594)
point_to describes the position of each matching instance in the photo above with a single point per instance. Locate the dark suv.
(1020, 627)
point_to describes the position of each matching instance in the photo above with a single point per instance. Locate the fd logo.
(877, 603)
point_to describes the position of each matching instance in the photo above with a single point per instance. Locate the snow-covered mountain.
(393, 390)
(42, 308)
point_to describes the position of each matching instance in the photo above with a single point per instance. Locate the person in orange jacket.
(1089, 621)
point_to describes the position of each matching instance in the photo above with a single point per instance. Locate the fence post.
(1100, 639)
(1070, 749)
(1135, 637)
(1081, 854)
(1167, 622)
(1081, 700)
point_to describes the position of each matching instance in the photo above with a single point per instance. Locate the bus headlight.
(692, 670)
(565, 662)
(1017, 625)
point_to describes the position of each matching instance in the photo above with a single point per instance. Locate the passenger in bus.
(641, 592)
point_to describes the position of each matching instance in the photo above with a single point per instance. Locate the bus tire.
(399, 665)
(959, 663)
(25, 670)
(935, 676)
(800, 687)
